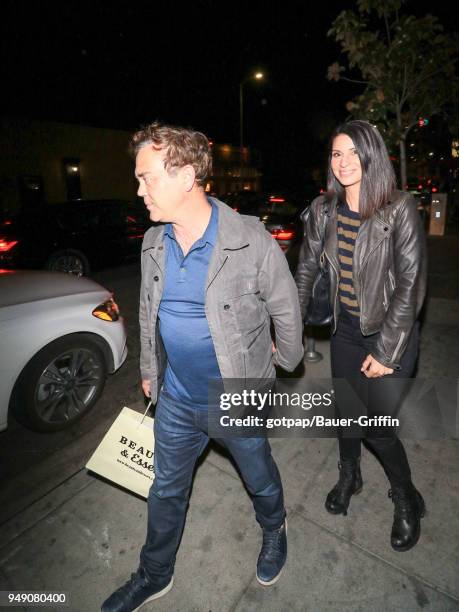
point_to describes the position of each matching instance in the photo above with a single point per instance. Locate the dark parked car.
(283, 220)
(244, 202)
(74, 236)
(280, 216)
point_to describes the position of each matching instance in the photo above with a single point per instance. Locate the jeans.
(349, 348)
(180, 438)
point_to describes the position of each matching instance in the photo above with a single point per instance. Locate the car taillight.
(108, 311)
(6, 245)
(434, 190)
(272, 199)
(279, 234)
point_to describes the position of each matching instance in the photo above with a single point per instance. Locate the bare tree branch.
(389, 40)
(342, 78)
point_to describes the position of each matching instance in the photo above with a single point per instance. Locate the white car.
(59, 337)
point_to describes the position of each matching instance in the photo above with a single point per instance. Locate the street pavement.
(84, 536)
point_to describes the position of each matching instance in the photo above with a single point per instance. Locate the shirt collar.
(210, 234)
(344, 206)
(169, 231)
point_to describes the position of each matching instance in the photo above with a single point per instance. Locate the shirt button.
(156, 278)
(160, 248)
(385, 229)
(226, 306)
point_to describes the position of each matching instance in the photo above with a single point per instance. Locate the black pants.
(349, 348)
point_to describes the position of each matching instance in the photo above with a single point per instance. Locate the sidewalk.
(84, 537)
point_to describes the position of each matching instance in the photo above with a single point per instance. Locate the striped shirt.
(348, 227)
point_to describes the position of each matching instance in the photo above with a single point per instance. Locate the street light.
(257, 76)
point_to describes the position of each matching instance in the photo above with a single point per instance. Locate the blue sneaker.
(272, 556)
(136, 592)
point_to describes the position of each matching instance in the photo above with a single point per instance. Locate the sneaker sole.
(276, 578)
(271, 582)
(156, 595)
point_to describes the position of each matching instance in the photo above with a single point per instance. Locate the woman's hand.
(373, 369)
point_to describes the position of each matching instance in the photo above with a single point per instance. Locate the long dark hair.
(378, 176)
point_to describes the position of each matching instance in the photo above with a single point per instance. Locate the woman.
(371, 237)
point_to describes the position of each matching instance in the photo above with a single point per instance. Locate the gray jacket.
(389, 270)
(248, 285)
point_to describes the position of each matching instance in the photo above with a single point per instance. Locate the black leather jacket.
(389, 270)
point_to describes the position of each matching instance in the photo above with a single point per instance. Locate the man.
(211, 282)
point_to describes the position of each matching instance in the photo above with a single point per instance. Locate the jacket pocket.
(241, 286)
(257, 351)
(243, 300)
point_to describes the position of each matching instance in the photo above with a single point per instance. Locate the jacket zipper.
(337, 282)
(399, 344)
(391, 280)
(360, 274)
(369, 255)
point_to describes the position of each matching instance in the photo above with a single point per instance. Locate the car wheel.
(69, 261)
(60, 384)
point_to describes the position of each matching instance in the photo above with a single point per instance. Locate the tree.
(405, 65)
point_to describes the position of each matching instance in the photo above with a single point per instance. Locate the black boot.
(409, 508)
(349, 483)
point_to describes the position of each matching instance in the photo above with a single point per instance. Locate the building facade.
(44, 161)
(234, 170)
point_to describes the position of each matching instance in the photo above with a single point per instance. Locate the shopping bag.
(126, 453)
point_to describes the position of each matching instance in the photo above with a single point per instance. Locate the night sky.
(94, 64)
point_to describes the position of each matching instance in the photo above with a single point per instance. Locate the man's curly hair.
(182, 146)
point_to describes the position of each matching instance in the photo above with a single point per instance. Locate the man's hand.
(373, 369)
(146, 387)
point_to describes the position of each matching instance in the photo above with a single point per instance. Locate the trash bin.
(437, 214)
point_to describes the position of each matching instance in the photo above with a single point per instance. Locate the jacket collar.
(153, 237)
(382, 215)
(231, 234)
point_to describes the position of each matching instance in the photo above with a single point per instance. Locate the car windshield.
(278, 209)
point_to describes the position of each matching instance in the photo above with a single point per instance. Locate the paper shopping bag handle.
(145, 413)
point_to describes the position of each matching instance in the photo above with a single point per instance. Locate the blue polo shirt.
(191, 359)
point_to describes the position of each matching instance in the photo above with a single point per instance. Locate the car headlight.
(107, 311)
